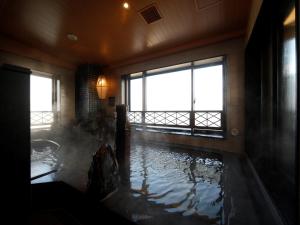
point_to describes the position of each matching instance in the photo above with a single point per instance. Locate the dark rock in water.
(103, 176)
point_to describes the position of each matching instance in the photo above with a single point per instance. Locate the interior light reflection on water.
(179, 182)
(44, 157)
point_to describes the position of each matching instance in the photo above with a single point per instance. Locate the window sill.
(179, 131)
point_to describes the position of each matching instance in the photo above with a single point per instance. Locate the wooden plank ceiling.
(109, 34)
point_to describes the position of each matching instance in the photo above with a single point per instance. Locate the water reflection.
(172, 184)
(162, 185)
(178, 181)
(44, 157)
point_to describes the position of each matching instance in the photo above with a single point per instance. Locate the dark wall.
(271, 104)
(15, 143)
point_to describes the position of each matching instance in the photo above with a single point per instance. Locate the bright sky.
(169, 92)
(208, 88)
(40, 93)
(172, 91)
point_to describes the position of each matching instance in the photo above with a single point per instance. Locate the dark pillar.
(120, 131)
(15, 143)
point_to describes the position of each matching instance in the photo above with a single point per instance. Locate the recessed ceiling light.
(125, 5)
(72, 37)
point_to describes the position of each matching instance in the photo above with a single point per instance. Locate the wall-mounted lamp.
(102, 87)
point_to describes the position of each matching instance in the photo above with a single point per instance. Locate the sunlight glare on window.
(208, 88)
(136, 94)
(169, 91)
(40, 93)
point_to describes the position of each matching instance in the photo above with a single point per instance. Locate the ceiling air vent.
(150, 14)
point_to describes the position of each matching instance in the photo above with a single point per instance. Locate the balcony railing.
(208, 120)
(42, 117)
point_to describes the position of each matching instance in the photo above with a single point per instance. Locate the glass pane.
(169, 91)
(40, 93)
(208, 88)
(136, 95)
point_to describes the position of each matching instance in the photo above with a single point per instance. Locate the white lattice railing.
(188, 119)
(41, 117)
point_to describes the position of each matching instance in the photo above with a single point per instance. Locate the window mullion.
(192, 88)
(54, 100)
(129, 95)
(192, 115)
(224, 84)
(54, 95)
(144, 97)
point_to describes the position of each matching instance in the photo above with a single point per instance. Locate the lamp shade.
(102, 87)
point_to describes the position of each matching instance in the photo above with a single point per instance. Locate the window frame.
(218, 133)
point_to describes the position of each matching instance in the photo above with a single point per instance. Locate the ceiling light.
(102, 87)
(291, 18)
(125, 5)
(72, 37)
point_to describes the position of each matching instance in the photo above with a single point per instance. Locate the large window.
(186, 98)
(44, 100)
